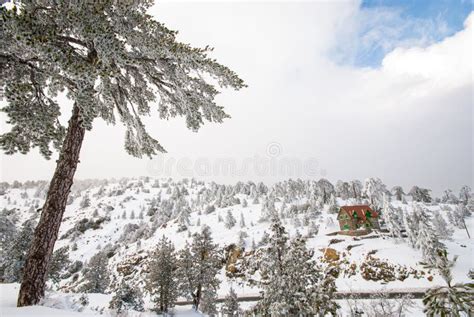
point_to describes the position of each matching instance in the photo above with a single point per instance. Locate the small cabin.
(358, 217)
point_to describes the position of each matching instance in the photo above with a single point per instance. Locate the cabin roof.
(360, 211)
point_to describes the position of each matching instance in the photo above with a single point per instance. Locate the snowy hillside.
(125, 219)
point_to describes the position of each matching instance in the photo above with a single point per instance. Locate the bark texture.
(36, 266)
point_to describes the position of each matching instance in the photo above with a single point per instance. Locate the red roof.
(360, 211)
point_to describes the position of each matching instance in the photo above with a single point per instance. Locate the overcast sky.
(340, 90)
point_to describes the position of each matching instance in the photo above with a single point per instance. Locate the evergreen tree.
(441, 226)
(96, 274)
(333, 205)
(289, 266)
(59, 263)
(464, 194)
(230, 308)
(374, 190)
(111, 59)
(449, 197)
(242, 236)
(198, 267)
(449, 300)
(323, 301)
(229, 221)
(356, 189)
(127, 298)
(242, 220)
(420, 194)
(16, 252)
(411, 227)
(85, 202)
(398, 192)
(162, 282)
(343, 190)
(392, 218)
(427, 239)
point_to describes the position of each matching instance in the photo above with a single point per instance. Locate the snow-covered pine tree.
(16, 252)
(356, 189)
(419, 194)
(325, 190)
(410, 222)
(343, 190)
(398, 192)
(333, 205)
(126, 298)
(208, 302)
(458, 215)
(392, 218)
(427, 239)
(374, 190)
(162, 282)
(323, 300)
(242, 236)
(183, 220)
(85, 202)
(96, 274)
(229, 221)
(465, 194)
(288, 266)
(441, 226)
(242, 220)
(448, 197)
(231, 308)
(112, 59)
(198, 267)
(450, 300)
(59, 263)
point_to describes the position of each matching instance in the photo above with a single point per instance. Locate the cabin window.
(346, 227)
(368, 214)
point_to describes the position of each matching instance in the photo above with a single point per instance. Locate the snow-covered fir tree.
(229, 221)
(441, 226)
(198, 266)
(59, 263)
(398, 192)
(448, 197)
(393, 219)
(419, 194)
(85, 202)
(288, 266)
(162, 281)
(465, 194)
(14, 257)
(127, 298)
(427, 239)
(96, 274)
(231, 308)
(374, 190)
(242, 220)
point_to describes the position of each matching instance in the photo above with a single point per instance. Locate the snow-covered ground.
(122, 203)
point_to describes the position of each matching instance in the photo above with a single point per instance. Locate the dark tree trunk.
(36, 266)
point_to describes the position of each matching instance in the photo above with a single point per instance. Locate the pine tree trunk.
(35, 270)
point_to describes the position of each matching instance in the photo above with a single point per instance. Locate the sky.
(336, 89)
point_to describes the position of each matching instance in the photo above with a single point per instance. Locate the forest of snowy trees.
(154, 239)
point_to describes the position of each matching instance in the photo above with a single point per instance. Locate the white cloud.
(443, 65)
